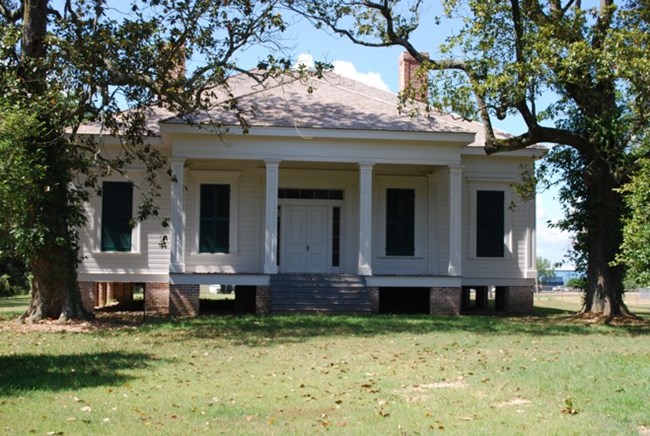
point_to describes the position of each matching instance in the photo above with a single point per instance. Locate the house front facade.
(332, 202)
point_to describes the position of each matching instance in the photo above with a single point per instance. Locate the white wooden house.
(333, 201)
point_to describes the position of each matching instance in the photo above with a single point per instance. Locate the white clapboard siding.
(148, 259)
(497, 173)
(245, 249)
(413, 265)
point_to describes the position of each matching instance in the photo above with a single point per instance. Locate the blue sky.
(379, 67)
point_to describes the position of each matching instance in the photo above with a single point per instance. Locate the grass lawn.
(544, 374)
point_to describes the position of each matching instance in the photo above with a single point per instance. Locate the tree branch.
(12, 16)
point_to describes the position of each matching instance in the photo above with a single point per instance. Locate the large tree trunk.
(604, 293)
(55, 291)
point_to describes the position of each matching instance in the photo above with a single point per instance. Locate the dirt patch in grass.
(513, 402)
(419, 393)
(102, 321)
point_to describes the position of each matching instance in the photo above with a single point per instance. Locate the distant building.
(562, 276)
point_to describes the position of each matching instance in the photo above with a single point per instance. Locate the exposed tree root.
(627, 319)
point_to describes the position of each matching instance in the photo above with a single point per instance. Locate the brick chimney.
(174, 74)
(411, 83)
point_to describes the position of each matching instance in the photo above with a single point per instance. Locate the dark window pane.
(490, 214)
(214, 231)
(400, 222)
(117, 211)
(311, 194)
(336, 236)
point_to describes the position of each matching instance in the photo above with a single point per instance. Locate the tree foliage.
(88, 62)
(545, 269)
(635, 250)
(505, 60)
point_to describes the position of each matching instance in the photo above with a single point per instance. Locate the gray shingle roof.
(331, 102)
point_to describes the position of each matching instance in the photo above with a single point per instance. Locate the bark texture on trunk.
(55, 290)
(604, 293)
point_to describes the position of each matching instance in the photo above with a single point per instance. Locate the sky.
(379, 67)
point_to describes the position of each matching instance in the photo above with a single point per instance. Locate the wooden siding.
(496, 173)
(431, 182)
(244, 255)
(149, 258)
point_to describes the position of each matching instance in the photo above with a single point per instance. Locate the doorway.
(306, 232)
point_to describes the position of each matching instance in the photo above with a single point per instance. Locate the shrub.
(14, 276)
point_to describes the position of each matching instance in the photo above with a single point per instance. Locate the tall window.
(214, 232)
(117, 211)
(336, 236)
(490, 228)
(400, 222)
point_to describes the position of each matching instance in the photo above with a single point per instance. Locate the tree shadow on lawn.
(46, 372)
(263, 330)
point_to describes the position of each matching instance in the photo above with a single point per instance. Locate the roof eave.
(533, 151)
(460, 138)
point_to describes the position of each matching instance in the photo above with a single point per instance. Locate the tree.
(545, 270)
(506, 56)
(635, 250)
(83, 61)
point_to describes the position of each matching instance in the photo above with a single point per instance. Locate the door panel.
(317, 236)
(306, 238)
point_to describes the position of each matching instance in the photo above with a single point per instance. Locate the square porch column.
(455, 215)
(177, 227)
(271, 217)
(364, 267)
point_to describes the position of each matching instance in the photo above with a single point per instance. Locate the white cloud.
(346, 69)
(304, 59)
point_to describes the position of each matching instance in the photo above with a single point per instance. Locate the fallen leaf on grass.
(568, 409)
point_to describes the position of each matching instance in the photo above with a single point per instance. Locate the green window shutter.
(400, 222)
(214, 231)
(490, 227)
(117, 212)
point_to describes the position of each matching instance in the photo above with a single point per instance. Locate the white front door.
(305, 238)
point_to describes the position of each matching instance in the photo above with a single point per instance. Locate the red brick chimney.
(410, 82)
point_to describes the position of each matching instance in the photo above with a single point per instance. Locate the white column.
(455, 215)
(364, 267)
(432, 264)
(271, 217)
(532, 240)
(177, 254)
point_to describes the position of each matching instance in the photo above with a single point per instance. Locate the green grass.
(340, 374)
(11, 307)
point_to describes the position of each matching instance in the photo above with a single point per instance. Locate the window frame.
(230, 178)
(99, 210)
(419, 186)
(219, 218)
(475, 186)
(400, 221)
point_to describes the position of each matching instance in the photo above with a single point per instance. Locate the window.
(310, 194)
(117, 211)
(214, 226)
(400, 222)
(336, 236)
(490, 228)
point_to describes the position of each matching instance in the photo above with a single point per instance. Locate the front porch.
(323, 294)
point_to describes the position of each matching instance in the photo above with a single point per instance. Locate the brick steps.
(319, 293)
